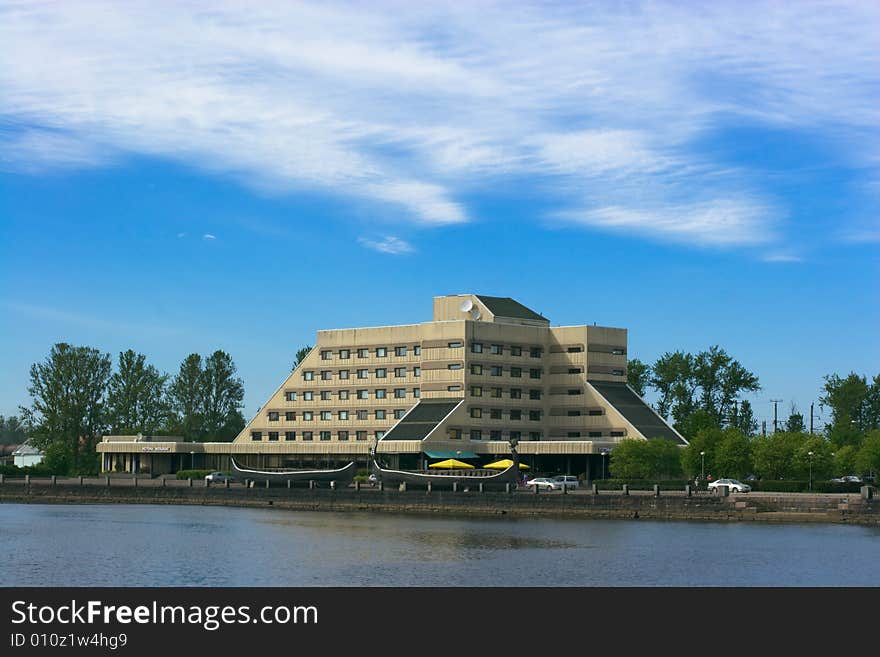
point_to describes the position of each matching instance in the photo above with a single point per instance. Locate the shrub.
(194, 474)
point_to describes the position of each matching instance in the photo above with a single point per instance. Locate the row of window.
(479, 434)
(379, 373)
(362, 414)
(513, 393)
(498, 370)
(495, 414)
(326, 395)
(307, 436)
(380, 352)
(498, 349)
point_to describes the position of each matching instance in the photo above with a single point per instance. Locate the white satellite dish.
(466, 305)
(476, 314)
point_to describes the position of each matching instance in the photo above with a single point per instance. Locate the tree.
(733, 454)
(795, 421)
(67, 411)
(300, 356)
(844, 460)
(223, 395)
(672, 375)
(773, 455)
(185, 399)
(638, 376)
(744, 418)
(705, 440)
(643, 459)
(136, 396)
(855, 407)
(12, 431)
(696, 422)
(868, 457)
(821, 463)
(721, 380)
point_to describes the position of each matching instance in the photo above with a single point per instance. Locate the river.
(143, 545)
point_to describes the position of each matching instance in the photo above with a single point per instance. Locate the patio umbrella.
(451, 464)
(503, 464)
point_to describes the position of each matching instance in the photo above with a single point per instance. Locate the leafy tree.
(67, 411)
(185, 399)
(696, 422)
(672, 376)
(721, 380)
(223, 395)
(845, 460)
(704, 440)
(821, 460)
(868, 458)
(136, 396)
(643, 459)
(773, 455)
(744, 418)
(795, 421)
(855, 407)
(733, 454)
(12, 431)
(638, 376)
(300, 356)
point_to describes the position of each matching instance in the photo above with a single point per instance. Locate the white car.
(566, 481)
(732, 484)
(218, 477)
(544, 483)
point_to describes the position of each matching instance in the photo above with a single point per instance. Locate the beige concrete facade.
(515, 376)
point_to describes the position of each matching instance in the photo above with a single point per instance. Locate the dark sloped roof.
(421, 420)
(507, 307)
(636, 411)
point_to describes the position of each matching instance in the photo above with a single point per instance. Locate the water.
(140, 545)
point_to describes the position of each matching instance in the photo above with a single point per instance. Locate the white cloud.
(415, 106)
(782, 257)
(208, 236)
(389, 244)
(180, 236)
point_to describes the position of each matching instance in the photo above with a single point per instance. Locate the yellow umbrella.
(451, 464)
(504, 464)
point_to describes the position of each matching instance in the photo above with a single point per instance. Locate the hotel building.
(484, 371)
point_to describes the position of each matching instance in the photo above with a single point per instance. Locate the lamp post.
(810, 454)
(604, 451)
(702, 465)
(192, 460)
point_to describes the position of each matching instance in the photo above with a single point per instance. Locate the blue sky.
(176, 179)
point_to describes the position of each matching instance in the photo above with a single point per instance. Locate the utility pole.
(811, 418)
(764, 428)
(775, 422)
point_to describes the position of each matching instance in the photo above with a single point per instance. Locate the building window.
(596, 411)
(381, 352)
(455, 345)
(380, 414)
(256, 435)
(290, 416)
(400, 372)
(417, 350)
(617, 372)
(363, 353)
(342, 435)
(362, 415)
(417, 371)
(455, 434)
(326, 395)
(454, 366)
(273, 435)
(399, 413)
(574, 414)
(476, 434)
(343, 394)
(453, 388)
(534, 373)
(290, 396)
(516, 372)
(515, 393)
(495, 435)
(535, 393)
(575, 350)
(476, 347)
(380, 435)
(325, 435)
(360, 435)
(516, 351)
(326, 415)
(343, 415)
(290, 435)
(575, 391)
(476, 391)
(344, 354)
(273, 416)
(400, 351)
(309, 375)
(496, 349)
(595, 434)
(325, 355)
(380, 393)
(476, 369)
(381, 373)
(308, 416)
(618, 351)
(400, 393)
(495, 393)
(363, 394)
(515, 414)
(344, 374)
(307, 435)
(617, 434)
(417, 392)
(363, 374)
(308, 395)
(534, 435)
(535, 352)
(496, 370)
(494, 413)
(476, 412)
(535, 416)
(574, 370)
(515, 435)
(574, 434)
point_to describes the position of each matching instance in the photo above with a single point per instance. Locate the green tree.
(12, 431)
(855, 407)
(696, 422)
(672, 376)
(185, 399)
(733, 454)
(136, 396)
(222, 400)
(643, 459)
(743, 418)
(845, 460)
(721, 380)
(821, 462)
(300, 355)
(773, 455)
(705, 440)
(795, 421)
(67, 410)
(868, 457)
(638, 376)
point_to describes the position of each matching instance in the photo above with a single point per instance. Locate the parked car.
(544, 483)
(567, 481)
(732, 484)
(847, 479)
(373, 479)
(219, 477)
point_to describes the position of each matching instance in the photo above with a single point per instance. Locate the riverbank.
(667, 505)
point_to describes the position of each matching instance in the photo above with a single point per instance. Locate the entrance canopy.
(450, 455)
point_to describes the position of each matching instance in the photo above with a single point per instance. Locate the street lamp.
(810, 454)
(604, 452)
(702, 465)
(192, 460)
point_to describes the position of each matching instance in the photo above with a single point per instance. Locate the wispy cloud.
(411, 108)
(66, 318)
(389, 244)
(209, 237)
(782, 257)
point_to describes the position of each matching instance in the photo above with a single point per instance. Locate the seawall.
(669, 505)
